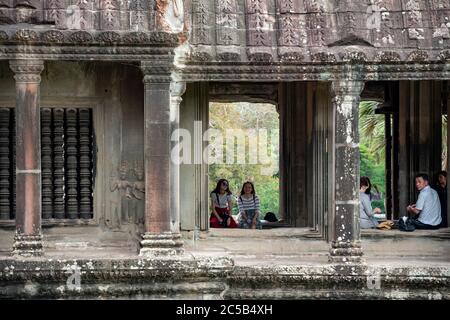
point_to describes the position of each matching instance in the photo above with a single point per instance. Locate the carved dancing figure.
(121, 184)
(138, 188)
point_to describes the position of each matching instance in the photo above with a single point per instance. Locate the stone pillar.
(177, 90)
(346, 246)
(162, 235)
(28, 238)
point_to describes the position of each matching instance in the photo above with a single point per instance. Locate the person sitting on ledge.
(221, 204)
(366, 218)
(249, 208)
(441, 189)
(426, 212)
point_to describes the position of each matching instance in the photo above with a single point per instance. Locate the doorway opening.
(245, 147)
(374, 127)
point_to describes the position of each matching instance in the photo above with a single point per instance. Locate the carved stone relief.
(130, 185)
(227, 22)
(202, 21)
(413, 20)
(260, 23)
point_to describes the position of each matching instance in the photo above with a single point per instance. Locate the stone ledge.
(212, 277)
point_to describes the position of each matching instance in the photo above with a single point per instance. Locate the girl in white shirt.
(249, 207)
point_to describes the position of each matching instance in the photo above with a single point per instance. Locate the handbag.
(406, 225)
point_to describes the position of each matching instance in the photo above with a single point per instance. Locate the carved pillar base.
(161, 244)
(28, 245)
(345, 252)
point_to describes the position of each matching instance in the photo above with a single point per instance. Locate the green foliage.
(248, 116)
(372, 149)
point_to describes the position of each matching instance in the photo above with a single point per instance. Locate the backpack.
(271, 217)
(407, 226)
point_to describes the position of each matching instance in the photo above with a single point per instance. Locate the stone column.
(346, 246)
(28, 238)
(162, 236)
(177, 90)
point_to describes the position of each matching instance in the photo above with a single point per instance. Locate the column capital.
(158, 71)
(177, 88)
(345, 87)
(27, 71)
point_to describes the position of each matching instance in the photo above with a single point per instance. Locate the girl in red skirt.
(221, 204)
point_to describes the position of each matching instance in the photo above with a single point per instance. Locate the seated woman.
(221, 204)
(248, 204)
(367, 220)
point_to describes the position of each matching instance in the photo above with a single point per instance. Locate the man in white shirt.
(426, 212)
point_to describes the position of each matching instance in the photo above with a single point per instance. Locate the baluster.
(71, 146)
(13, 162)
(85, 164)
(4, 164)
(46, 163)
(58, 163)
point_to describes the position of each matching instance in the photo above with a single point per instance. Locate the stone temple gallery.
(92, 92)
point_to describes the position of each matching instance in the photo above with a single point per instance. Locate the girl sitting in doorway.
(249, 207)
(221, 204)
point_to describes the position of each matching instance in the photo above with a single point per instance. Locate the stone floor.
(280, 246)
(281, 263)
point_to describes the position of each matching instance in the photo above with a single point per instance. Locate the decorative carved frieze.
(228, 56)
(388, 56)
(56, 11)
(315, 22)
(418, 56)
(15, 12)
(227, 22)
(323, 57)
(354, 57)
(290, 6)
(53, 36)
(135, 38)
(81, 37)
(109, 15)
(291, 57)
(413, 20)
(259, 23)
(444, 56)
(26, 35)
(108, 37)
(291, 32)
(139, 15)
(259, 57)
(163, 38)
(202, 15)
(3, 36)
(200, 56)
